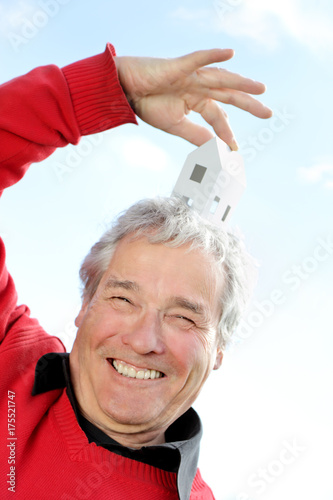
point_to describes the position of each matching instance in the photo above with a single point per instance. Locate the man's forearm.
(51, 107)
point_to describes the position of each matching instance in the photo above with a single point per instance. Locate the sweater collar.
(179, 454)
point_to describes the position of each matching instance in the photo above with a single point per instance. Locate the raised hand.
(162, 92)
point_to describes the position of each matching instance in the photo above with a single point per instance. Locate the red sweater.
(44, 454)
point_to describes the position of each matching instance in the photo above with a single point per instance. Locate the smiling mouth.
(130, 371)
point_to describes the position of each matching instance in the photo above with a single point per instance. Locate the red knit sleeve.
(96, 94)
(50, 108)
(7, 294)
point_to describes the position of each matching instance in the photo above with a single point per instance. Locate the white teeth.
(129, 371)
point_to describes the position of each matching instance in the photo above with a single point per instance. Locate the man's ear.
(82, 312)
(219, 358)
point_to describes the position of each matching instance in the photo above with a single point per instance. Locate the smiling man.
(150, 330)
(162, 292)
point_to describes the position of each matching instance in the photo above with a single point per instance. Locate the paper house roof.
(212, 181)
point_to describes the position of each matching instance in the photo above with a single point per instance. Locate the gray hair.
(171, 222)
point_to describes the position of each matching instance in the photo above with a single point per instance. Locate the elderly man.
(163, 290)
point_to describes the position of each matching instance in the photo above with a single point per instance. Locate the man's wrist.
(98, 99)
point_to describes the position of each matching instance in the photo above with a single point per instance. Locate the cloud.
(320, 172)
(267, 22)
(249, 20)
(141, 153)
(11, 16)
(329, 184)
(127, 150)
(191, 15)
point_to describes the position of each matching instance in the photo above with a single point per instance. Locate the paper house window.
(198, 173)
(225, 215)
(188, 201)
(215, 204)
(212, 181)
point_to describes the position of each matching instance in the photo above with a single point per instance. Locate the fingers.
(191, 62)
(243, 101)
(222, 85)
(214, 115)
(219, 78)
(191, 132)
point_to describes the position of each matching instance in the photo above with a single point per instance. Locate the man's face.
(153, 317)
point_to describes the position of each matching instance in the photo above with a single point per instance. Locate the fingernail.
(233, 145)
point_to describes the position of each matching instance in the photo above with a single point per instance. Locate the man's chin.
(130, 417)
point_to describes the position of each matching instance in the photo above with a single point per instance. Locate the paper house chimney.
(212, 181)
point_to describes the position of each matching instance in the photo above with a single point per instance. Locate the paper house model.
(212, 181)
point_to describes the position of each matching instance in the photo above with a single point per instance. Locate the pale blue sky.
(274, 388)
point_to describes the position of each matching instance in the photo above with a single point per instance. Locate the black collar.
(179, 454)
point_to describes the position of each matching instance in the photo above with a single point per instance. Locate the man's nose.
(145, 335)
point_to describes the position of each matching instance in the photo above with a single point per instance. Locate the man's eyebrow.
(184, 303)
(177, 301)
(113, 282)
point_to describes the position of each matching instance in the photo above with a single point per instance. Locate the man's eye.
(121, 299)
(184, 319)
